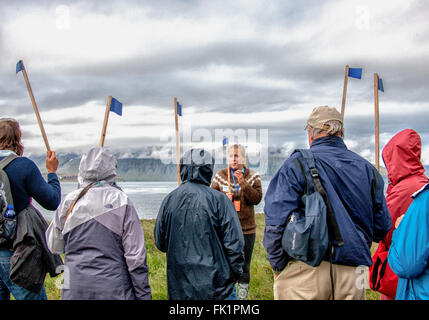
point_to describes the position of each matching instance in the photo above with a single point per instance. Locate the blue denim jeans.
(7, 286)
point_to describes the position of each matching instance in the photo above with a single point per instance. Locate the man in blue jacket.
(409, 251)
(355, 191)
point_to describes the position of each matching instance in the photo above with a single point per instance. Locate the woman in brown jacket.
(245, 190)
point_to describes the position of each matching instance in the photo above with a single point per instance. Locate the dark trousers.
(249, 242)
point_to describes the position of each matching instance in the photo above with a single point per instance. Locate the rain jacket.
(406, 173)
(199, 229)
(31, 258)
(103, 241)
(401, 156)
(355, 191)
(409, 250)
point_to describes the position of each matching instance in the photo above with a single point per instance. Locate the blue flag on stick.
(355, 73)
(224, 142)
(116, 107)
(380, 84)
(19, 66)
(179, 109)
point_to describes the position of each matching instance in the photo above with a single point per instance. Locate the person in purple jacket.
(98, 229)
(26, 183)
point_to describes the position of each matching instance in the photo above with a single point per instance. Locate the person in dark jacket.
(355, 191)
(26, 183)
(199, 230)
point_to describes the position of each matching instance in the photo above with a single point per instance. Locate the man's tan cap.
(320, 115)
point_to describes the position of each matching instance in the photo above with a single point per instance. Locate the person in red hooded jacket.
(401, 156)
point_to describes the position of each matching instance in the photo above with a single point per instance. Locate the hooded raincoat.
(102, 237)
(199, 229)
(406, 173)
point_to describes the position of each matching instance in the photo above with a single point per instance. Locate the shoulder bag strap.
(6, 160)
(81, 194)
(6, 186)
(332, 222)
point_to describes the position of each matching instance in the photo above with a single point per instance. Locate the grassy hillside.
(261, 285)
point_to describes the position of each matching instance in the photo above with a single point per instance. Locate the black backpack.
(7, 225)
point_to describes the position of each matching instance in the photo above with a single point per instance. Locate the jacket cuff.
(277, 272)
(279, 268)
(52, 176)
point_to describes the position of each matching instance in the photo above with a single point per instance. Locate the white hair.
(335, 127)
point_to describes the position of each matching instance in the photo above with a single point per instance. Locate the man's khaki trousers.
(299, 281)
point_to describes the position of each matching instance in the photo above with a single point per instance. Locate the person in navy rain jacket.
(26, 183)
(355, 191)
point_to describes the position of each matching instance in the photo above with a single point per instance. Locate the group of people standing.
(207, 225)
(209, 241)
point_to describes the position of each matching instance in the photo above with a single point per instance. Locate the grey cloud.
(73, 121)
(29, 135)
(157, 79)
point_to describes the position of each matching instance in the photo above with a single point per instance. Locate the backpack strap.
(332, 222)
(5, 179)
(6, 160)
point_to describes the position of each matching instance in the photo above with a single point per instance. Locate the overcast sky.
(246, 64)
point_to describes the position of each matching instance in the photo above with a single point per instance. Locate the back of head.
(10, 136)
(97, 164)
(196, 165)
(401, 155)
(325, 119)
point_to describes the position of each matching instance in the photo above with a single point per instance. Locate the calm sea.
(146, 196)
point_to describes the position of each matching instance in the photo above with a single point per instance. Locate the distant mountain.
(145, 165)
(138, 166)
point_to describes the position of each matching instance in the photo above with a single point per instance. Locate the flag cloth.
(380, 84)
(355, 73)
(224, 142)
(19, 66)
(116, 106)
(179, 109)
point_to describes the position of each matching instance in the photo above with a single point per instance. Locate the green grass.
(261, 283)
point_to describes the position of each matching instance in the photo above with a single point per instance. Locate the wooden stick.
(229, 169)
(176, 121)
(377, 128)
(106, 119)
(36, 111)
(343, 104)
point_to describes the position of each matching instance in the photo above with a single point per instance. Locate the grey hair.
(335, 128)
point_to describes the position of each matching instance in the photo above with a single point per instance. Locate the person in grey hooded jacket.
(103, 240)
(199, 229)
